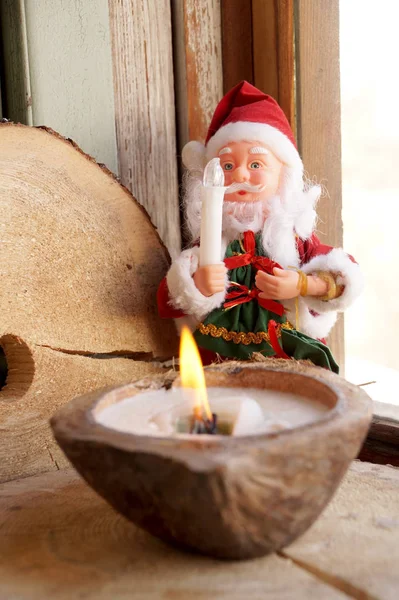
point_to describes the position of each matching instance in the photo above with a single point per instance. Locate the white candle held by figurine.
(212, 195)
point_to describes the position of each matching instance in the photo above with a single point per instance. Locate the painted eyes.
(255, 164)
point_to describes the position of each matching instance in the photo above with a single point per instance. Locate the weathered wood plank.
(198, 66)
(355, 544)
(145, 110)
(69, 543)
(319, 119)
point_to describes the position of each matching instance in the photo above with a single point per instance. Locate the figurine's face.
(251, 163)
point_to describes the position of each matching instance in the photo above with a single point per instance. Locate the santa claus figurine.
(277, 289)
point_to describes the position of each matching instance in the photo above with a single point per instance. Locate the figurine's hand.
(283, 285)
(210, 279)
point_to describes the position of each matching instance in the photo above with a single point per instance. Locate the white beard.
(243, 216)
(278, 219)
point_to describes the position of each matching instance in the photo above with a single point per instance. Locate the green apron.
(246, 323)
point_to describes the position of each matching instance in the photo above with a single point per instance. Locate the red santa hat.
(246, 114)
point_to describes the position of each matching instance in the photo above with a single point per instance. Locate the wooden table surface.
(59, 540)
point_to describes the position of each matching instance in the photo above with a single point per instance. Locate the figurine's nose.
(240, 174)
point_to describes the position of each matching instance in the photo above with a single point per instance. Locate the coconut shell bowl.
(225, 496)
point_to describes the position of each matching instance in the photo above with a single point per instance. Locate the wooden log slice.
(41, 380)
(227, 497)
(80, 259)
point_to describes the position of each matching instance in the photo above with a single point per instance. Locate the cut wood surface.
(80, 264)
(68, 543)
(41, 380)
(355, 545)
(141, 36)
(59, 540)
(80, 259)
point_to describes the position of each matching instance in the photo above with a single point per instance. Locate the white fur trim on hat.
(242, 131)
(183, 292)
(193, 156)
(337, 262)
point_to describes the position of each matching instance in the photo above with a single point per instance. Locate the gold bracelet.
(332, 286)
(302, 284)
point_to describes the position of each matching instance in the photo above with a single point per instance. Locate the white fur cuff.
(183, 293)
(316, 326)
(348, 274)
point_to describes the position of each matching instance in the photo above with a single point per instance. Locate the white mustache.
(244, 187)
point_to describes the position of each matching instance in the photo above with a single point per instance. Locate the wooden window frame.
(291, 51)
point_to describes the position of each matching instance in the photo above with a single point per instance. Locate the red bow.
(261, 263)
(242, 293)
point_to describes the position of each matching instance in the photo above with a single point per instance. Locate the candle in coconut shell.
(195, 410)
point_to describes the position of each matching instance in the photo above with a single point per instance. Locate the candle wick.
(201, 424)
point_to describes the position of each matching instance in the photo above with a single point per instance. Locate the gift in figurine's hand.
(282, 285)
(210, 279)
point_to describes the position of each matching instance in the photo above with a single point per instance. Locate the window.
(370, 160)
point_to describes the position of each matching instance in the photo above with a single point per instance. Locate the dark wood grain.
(237, 41)
(286, 59)
(273, 52)
(382, 443)
(265, 38)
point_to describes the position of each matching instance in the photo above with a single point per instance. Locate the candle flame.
(192, 373)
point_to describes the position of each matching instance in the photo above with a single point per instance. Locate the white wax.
(253, 411)
(211, 225)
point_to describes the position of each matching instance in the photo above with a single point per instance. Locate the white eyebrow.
(226, 150)
(258, 150)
